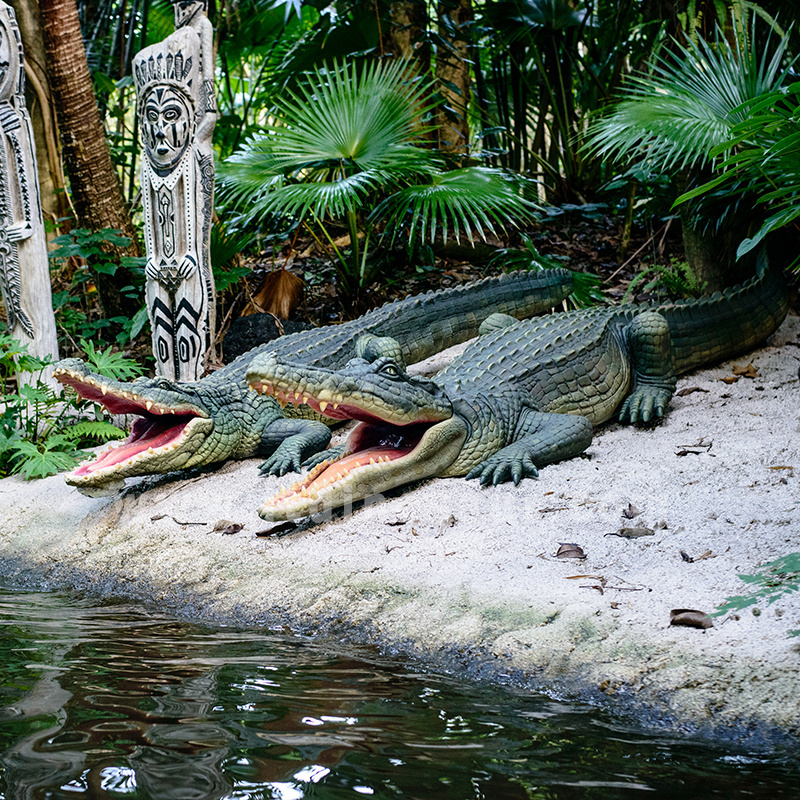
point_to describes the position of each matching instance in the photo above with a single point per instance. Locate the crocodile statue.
(183, 425)
(524, 394)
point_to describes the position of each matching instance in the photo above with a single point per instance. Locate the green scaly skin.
(523, 395)
(182, 425)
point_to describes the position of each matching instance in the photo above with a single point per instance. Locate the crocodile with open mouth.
(524, 394)
(182, 425)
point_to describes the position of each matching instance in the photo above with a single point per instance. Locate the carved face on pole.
(167, 124)
(187, 10)
(7, 61)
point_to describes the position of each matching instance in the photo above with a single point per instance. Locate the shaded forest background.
(517, 86)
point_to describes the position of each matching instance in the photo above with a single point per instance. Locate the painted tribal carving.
(177, 112)
(24, 273)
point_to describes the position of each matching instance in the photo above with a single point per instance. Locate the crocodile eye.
(391, 371)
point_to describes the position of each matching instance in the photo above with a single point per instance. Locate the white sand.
(451, 569)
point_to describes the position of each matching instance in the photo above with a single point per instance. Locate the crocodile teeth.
(305, 399)
(322, 406)
(335, 406)
(104, 389)
(148, 404)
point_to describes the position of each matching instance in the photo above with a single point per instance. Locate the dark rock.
(248, 332)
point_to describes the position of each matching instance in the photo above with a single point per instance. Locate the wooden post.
(24, 268)
(177, 113)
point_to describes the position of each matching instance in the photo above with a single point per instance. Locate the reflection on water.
(119, 701)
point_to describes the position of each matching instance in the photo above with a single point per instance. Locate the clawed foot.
(281, 462)
(331, 454)
(645, 404)
(501, 469)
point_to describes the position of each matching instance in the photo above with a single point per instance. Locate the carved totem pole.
(24, 270)
(177, 112)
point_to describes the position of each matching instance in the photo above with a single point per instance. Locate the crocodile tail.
(727, 323)
(428, 323)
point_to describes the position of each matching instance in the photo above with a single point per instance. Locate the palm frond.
(469, 202)
(688, 105)
(342, 132)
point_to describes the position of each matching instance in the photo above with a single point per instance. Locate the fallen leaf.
(746, 372)
(220, 525)
(729, 379)
(631, 511)
(570, 550)
(235, 528)
(689, 390)
(584, 577)
(552, 508)
(632, 533)
(615, 605)
(686, 557)
(690, 618)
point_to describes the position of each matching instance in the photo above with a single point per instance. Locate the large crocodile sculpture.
(523, 395)
(182, 425)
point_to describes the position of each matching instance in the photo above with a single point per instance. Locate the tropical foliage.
(43, 431)
(347, 146)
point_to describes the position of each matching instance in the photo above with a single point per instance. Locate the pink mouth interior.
(369, 441)
(146, 432)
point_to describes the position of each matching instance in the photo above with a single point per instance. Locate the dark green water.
(120, 701)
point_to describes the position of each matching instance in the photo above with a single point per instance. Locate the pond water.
(115, 700)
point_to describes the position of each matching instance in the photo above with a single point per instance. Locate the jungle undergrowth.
(43, 430)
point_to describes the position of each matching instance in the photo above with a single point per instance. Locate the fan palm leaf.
(465, 201)
(342, 134)
(764, 159)
(689, 104)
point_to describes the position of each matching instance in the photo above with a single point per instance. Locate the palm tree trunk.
(94, 184)
(452, 73)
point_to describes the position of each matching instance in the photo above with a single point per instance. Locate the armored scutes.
(183, 425)
(525, 394)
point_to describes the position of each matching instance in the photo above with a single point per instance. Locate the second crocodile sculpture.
(182, 425)
(523, 395)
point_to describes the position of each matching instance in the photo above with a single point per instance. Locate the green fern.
(677, 277)
(114, 365)
(98, 430)
(46, 457)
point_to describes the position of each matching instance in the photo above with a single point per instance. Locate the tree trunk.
(39, 100)
(404, 37)
(452, 74)
(94, 185)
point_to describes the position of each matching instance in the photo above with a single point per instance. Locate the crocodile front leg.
(291, 441)
(541, 438)
(654, 379)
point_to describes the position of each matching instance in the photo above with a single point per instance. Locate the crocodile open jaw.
(379, 456)
(157, 432)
